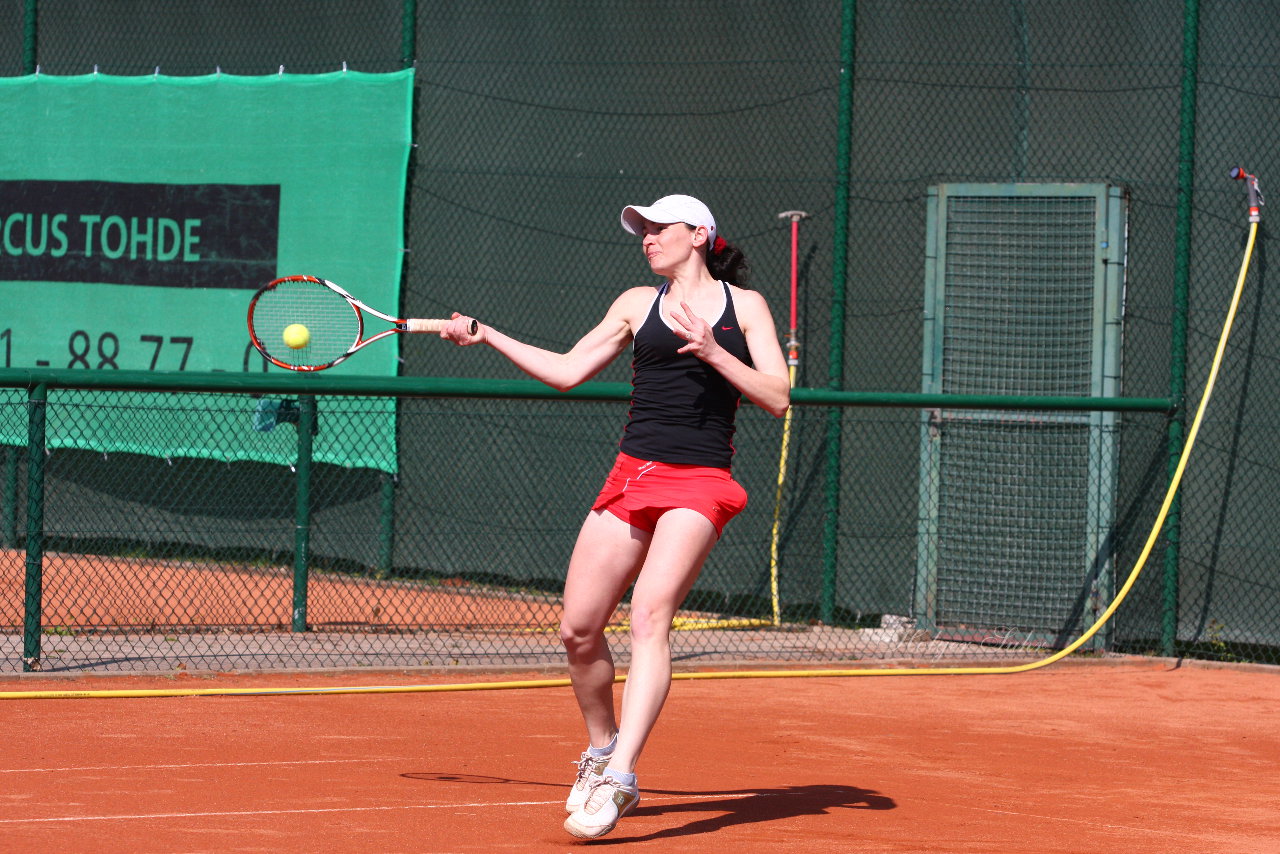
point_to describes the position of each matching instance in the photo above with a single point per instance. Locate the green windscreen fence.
(141, 213)
(534, 124)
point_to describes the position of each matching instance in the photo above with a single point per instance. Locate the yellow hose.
(1174, 483)
(777, 501)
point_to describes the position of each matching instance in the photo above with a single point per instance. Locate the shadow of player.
(752, 806)
(723, 809)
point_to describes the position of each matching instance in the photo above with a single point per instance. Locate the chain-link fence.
(534, 125)
(457, 558)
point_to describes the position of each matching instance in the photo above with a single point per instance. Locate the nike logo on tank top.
(682, 409)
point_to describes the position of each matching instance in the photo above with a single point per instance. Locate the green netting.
(1020, 300)
(534, 125)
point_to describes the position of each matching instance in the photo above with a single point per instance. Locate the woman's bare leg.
(679, 547)
(605, 559)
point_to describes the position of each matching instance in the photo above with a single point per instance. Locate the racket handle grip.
(420, 324)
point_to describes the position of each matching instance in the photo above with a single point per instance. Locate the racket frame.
(398, 324)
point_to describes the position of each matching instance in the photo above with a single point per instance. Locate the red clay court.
(1142, 756)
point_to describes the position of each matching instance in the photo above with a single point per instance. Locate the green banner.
(138, 215)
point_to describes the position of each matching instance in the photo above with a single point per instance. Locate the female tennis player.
(700, 342)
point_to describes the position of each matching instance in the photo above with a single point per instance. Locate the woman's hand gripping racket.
(308, 324)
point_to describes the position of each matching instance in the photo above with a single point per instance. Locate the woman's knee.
(649, 625)
(581, 640)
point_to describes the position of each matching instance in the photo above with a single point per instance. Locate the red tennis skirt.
(640, 491)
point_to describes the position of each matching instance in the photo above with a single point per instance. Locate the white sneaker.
(589, 770)
(607, 801)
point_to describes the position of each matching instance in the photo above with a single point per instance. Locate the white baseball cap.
(669, 209)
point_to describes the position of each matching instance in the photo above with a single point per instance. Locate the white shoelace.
(585, 766)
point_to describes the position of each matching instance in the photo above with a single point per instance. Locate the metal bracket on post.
(269, 413)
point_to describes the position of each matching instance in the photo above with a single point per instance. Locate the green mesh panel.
(1017, 502)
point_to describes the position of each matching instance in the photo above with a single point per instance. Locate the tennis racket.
(333, 320)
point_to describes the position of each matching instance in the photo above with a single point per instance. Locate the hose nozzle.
(1255, 195)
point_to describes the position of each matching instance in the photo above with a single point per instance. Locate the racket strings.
(333, 324)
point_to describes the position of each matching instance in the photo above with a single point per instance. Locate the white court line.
(194, 765)
(505, 804)
(1091, 823)
(317, 811)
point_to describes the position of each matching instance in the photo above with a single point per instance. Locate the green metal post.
(10, 497)
(408, 55)
(387, 542)
(1178, 331)
(839, 269)
(1023, 104)
(29, 40)
(408, 33)
(37, 398)
(302, 511)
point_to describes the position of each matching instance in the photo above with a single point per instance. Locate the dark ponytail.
(726, 262)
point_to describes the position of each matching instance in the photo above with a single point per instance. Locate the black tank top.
(682, 409)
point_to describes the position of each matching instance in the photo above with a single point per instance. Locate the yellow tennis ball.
(296, 336)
